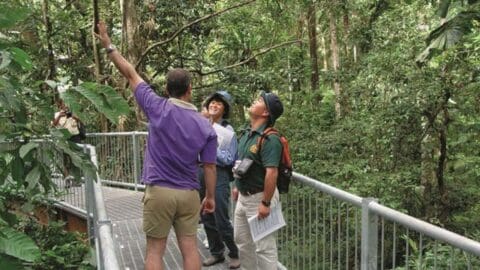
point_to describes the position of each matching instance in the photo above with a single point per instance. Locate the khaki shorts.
(166, 207)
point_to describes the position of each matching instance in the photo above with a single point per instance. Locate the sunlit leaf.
(33, 177)
(21, 58)
(51, 83)
(5, 59)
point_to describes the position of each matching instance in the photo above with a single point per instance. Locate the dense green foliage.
(27, 160)
(59, 249)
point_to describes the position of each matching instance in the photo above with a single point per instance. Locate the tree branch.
(179, 31)
(209, 85)
(263, 51)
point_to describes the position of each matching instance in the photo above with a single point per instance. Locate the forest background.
(381, 97)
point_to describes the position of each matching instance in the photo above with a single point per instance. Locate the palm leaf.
(448, 34)
(105, 99)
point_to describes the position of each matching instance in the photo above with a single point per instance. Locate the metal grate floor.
(124, 209)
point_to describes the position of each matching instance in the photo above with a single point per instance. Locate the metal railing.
(84, 198)
(98, 223)
(120, 156)
(327, 228)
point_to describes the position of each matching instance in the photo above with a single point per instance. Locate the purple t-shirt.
(178, 136)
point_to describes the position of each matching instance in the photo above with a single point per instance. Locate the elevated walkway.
(327, 228)
(124, 209)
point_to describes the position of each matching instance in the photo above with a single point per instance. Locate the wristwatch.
(111, 48)
(266, 203)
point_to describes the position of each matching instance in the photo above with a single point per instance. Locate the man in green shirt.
(256, 189)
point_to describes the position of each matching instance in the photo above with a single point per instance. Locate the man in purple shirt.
(178, 136)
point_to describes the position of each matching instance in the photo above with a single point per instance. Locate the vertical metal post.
(90, 202)
(135, 159)
(369, 246)
(89, 205)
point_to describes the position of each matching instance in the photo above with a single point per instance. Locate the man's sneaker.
(234, 263)
(213, 260)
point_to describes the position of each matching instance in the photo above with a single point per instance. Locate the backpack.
(285, 168)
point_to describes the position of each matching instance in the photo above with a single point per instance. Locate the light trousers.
(261, 255)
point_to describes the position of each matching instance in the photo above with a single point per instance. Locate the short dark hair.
(178, 81)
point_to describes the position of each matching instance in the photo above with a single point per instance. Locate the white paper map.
(263, 227)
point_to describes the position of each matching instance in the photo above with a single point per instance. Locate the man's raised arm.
(127, 69)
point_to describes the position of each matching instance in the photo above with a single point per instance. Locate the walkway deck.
(124, 209)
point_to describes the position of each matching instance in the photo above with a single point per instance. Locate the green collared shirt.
(269, 156)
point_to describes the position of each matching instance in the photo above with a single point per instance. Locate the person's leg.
(266, 248)
(189, 250)
(222, 218)
(159, 208)
(185, 224)
(215, 243)
(155, 251)
(266, 252)
(242, 235)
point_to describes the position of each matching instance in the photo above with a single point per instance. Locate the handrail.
(123, 133)
(418, 225)
(335, 192)
(426, 228)
(103, 224)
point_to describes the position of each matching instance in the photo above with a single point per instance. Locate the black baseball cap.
(274, 106)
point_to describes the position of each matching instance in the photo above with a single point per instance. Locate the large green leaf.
(18, 245)
(10, 15)
(33, 177)
(448, 34)
(21, 58)
(26, 148)
(105, 99)
(79, 159)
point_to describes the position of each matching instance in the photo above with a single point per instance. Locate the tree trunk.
(50, 56)
(325, 54)
(442, 160)
(346, 27)
(427, 178)
(131, 42)
(335, 64)
(312, 38)
(96, 54)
